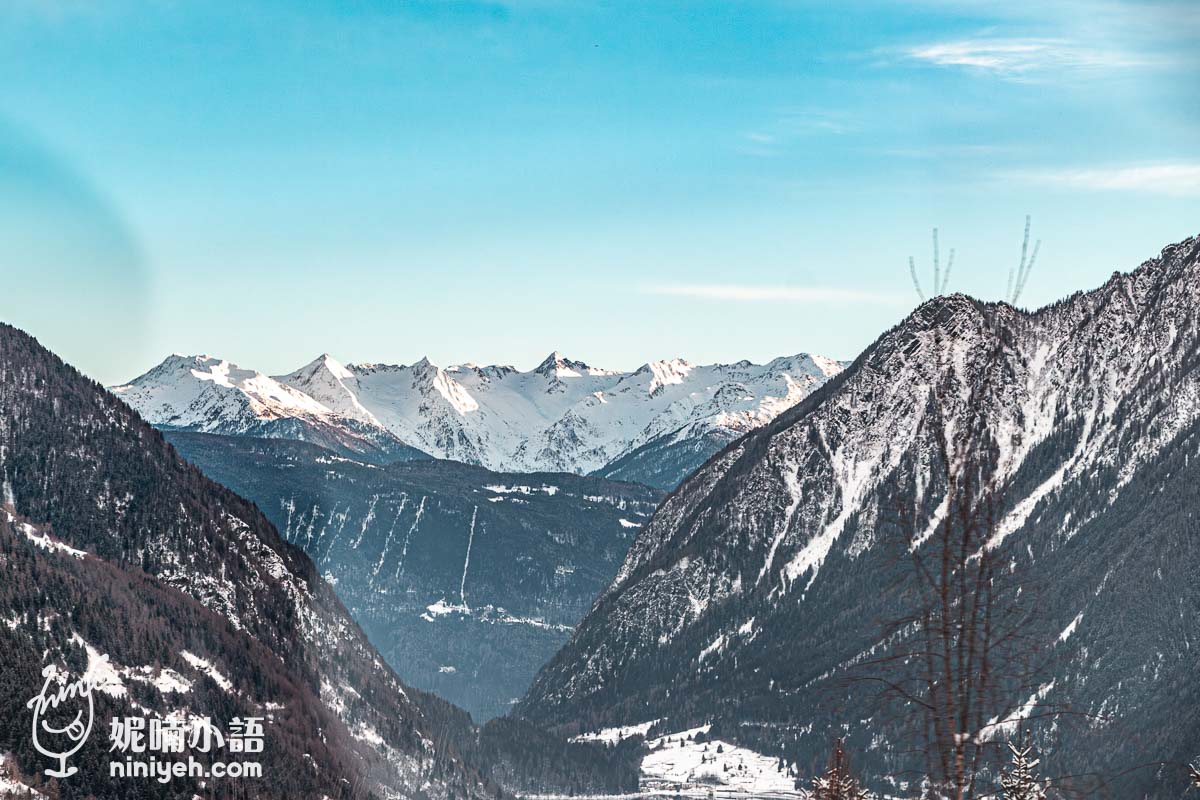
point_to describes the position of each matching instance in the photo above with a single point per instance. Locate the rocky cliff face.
(764, 581)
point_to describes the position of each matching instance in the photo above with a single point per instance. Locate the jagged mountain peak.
(184, 359)
(333, 385)
(664, 373)
(201, 389)
(180, 363)
(557, 365)
(316, 403)
(666, 366)
(206, 367)
(809, 363)
(489, 372)
(326, 363)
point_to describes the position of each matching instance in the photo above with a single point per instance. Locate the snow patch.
(441, 608)
(995, 729)
(208, 669)
(614, 735)
(678, 763)
(11, 787)
(100, 671)
(44, 541)
(1070, 629)
(549, 491)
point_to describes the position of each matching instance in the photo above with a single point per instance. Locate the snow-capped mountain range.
(563, 416)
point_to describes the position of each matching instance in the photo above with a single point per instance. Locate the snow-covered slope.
(691, 764)
(773, 571)
(210, 395)
(202, 391)
(562, 416)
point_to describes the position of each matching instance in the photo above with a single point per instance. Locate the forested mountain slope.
(122, 560)
(761, 595)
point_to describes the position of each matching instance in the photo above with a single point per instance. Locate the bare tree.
(964, 658)
(956, 633)
(1017, 277)
(940, 282)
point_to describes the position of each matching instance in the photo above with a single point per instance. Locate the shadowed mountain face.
(666, 460)
(763, 584)
(466, 580)
(121, 560)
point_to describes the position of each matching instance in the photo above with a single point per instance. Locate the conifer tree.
(1020, 781)
(838, 782)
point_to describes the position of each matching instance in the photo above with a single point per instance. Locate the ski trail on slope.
(367, 520)
(345, 515)
(325, 528)
(792, 482)
(462, 587)
(312, 521)
(388, 541)
(408, 537)
(290, 505)
(300, 521)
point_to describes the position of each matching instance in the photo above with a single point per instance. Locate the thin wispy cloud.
(792, 124)
(1179, 179)
(951, 151)
(1022, 57)
(777, 294)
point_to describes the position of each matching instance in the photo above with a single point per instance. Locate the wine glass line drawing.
(57, 691)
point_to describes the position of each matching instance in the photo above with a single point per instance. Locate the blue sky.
(486, 182)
